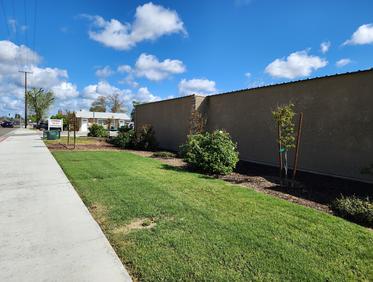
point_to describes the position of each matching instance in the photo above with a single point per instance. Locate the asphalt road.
(4, 131)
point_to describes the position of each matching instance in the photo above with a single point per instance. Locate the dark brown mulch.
(99, 146)
(270, 185)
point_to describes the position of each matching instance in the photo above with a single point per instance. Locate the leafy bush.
(164, 155)
(354, 209)
(124, 139)
(145, 138)
(211, 152)
(97, 131)
(124, 128)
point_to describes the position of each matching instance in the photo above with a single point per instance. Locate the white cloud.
(46, 77)
(248, 75)
(343, 62)
(297, 64)
(65, 90)
(104, 72)
(363, 35)
(12, 59)
(124, 69)
(144, 95)
(103, 88)
(17, 57)
(129, 80)
(150, 67)
(325, 46)
(197, 86)
(151, 22)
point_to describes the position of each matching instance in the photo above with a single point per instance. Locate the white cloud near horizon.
(197, 86)
(14, 57)
(150, 22)
(363, 35)
(104, 88)
(343, 62)
(325, 46)
(297, 64)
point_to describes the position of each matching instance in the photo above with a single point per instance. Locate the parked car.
(42, 125)
(8, 124)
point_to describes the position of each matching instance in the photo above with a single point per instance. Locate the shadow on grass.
(189, 169)
(308, 186)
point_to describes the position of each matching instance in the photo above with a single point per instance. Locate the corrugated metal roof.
(87, 114)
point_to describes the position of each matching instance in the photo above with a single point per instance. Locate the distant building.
(113, 120)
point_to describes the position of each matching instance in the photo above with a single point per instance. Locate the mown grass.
(207, 229)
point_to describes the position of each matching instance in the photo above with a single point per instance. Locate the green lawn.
(207, 229)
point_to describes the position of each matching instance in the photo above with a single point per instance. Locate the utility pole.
(26, 72)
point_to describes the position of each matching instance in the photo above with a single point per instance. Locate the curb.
(2, 138)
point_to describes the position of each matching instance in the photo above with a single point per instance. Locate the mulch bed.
(97, 146)
(309, 190)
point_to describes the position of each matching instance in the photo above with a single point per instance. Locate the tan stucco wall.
(170, 120)
(338, 122)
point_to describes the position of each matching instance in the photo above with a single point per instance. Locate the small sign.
(282, 150)
(55, 123)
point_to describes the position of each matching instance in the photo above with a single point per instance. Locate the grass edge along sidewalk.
(165, 224)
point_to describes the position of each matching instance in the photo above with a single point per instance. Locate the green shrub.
(145, 138)
(164, 155)
(124, 128)
(354, 209)
(124, 139)
(97, 131)
(214, 152)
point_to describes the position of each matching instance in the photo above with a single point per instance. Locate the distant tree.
(39, 101)
(32, 118)
(134, 104)
(98, 105)
(62, 116)
(115, 104)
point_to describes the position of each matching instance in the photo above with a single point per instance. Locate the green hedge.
(354, 209)
(213, 153)
(97, 131)
(143, 140)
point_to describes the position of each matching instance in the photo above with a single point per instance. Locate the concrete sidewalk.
(46, 232)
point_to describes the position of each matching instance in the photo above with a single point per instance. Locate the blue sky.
(147, 51)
